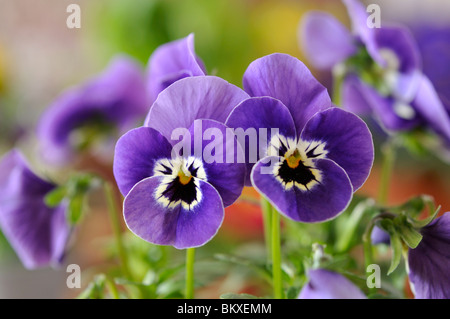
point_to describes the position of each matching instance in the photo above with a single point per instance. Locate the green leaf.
(54, 198)
(238, 296)
(396, 245)
(424, 222)
(75, 209)
(95, 289)
(410, 236)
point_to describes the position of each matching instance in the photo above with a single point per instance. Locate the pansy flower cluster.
(187, 143)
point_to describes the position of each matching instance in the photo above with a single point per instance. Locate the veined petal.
(391, 114)
(430, 260)
(319, 200)
(135, 156)
(171, 62)
(37, 233)
(222, 156)
(326, 284)
(201, 97)
(348, 142)
(325, 41)
(255, 121)
(287, 79)
(148, 216)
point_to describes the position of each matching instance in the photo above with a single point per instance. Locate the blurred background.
(40, 57)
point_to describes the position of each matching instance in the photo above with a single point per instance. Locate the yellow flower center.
(294, 159)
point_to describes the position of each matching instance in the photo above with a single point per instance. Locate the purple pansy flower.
(179, 199)
(115, 100)
(37, 233)
(429, 262)
(327, 284)
(381, 70)
(318, 155)
(171, 62)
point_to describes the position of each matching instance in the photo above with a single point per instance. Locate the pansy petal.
(199, 225)
(325, 41)
(326, 284)
(182, 228)
(398, 45)
(323, 201)
(260, 118)
(222, 157)
(135, 156)
(353, 98)
(171, 62)
(287, 79)
(116, 97)
(392, 115)
(201, 97)
(431, 109)
(37, 233)
(348, 142)
(358, 16)
(430, 260)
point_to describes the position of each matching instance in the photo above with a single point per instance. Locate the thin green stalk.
(267, 220)
(387, 166)
(115, 223)
(190, 258)
(276, 256)
(112, 288)
(338, 79)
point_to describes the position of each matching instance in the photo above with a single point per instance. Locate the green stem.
(190, 258)
(112, 288)
(276, 256)
(267, 220)
(387, 165)
(338, 79)
(115, 223)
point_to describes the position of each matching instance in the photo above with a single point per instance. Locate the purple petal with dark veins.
(429, 262)
(257, 117)
(182, 228)
(348, 142)
(222, 157)
(135, 156)
(287, 79)
(319, 203)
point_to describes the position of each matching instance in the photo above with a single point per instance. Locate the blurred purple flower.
(326, 284)
(171, 62)
(381, 70)
(434, 46)
(108, 104)
(320, 155)
(173, 199)
(379, 236)
(37, 233)
(429, 262)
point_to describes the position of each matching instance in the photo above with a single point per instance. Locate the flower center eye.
(184, 177)
(180, 185)
(294, 160)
